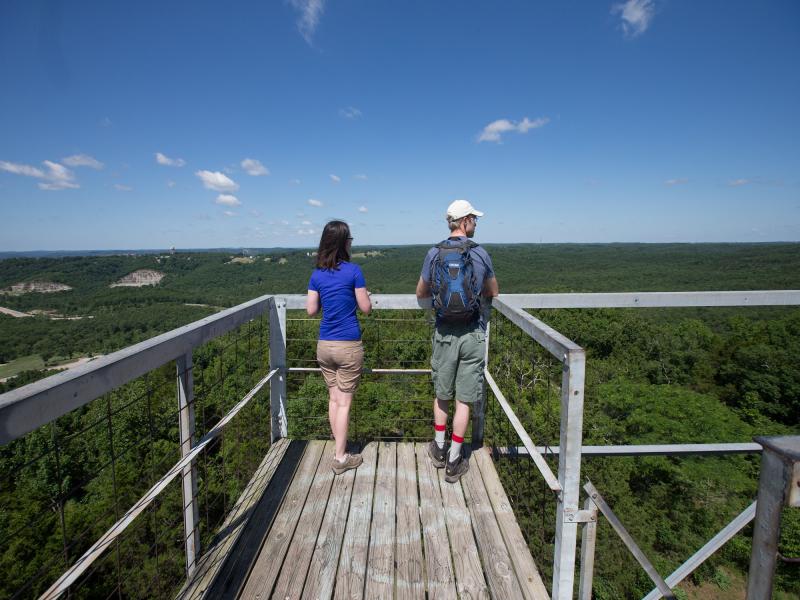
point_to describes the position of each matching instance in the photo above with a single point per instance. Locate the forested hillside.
(653, 376)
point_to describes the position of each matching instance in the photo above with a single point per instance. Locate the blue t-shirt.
(337, 296)
(481, 265)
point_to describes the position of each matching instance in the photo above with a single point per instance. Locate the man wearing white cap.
(459, 275)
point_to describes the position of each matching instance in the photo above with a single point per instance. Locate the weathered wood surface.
(409, 574)
(470, 582)
(531, 581)
(438, 564)
(322, 571)
(212, 560)
(352, 569)
(496, 559)
(293, 574)
(393, 528)
(267, 568)
(380, 564)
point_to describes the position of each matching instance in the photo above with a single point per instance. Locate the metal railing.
(197, 455)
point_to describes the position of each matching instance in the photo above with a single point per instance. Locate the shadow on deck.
(393, 528)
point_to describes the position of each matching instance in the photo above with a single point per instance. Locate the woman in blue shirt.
(338, 287)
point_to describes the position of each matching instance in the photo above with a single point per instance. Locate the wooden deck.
(393, 528)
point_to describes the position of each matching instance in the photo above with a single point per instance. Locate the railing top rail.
(29, 407)
(655, 299)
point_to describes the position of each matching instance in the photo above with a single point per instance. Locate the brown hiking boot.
(455, 469)
(351, 461)
(438, 455)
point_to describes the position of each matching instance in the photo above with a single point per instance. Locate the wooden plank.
(265, 571)
(409, 562)
(528, 575)
(496, 560)
(295, 567)
(322, 571)
(438, 565)
(380, 564)
(355, 547)
(243, 555)
(211, 562)
(470, 581)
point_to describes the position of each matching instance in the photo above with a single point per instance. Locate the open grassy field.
(23, 363)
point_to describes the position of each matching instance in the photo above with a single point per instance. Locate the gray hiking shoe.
(438, 455)
(351, 461)
(455, 469)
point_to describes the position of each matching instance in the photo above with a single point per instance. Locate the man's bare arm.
(490, 288)
(423, 289)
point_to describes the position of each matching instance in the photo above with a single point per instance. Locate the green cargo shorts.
(457, 363)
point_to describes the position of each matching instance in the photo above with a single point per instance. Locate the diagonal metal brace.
(604, 508)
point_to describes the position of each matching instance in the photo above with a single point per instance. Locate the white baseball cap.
(459, 209)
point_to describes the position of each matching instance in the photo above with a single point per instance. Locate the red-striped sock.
(439, 434)
(455, 447)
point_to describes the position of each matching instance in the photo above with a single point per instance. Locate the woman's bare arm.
(312, 303)
(363, 301)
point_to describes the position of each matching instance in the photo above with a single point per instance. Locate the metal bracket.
(579, 516)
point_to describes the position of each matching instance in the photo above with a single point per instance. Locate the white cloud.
(308, 21)
(19, 169)
(82, 160)
(679, 181)
(362, 209)
(295, 181)
(308, 231)
(313, 202)
(105, 122)
(169, 162)
(739, 182)
(349, 112)
(55, 177)
(254, 167)
(306, 223)
(493, 131)
(228, 200)
(229, 213)
(122, 188)
(170, 183)
(284, 222)
(219, 182)
(360, 177)
(636, 16)
(335, 178)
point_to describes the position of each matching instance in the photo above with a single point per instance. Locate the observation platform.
(393, 528)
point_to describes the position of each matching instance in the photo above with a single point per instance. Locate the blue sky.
(208, 124)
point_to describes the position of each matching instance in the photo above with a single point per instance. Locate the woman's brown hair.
(333, 245)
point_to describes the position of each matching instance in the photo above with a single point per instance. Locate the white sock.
(438, 437)
(455, 449)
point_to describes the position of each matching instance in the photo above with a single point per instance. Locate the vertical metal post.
(277, 360)
(588, 539)
(569, 473)
(191, 511)
(778, 485)
(479, 411)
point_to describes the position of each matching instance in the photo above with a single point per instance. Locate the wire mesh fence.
(386, 406)
(82, 472)
(530, 379)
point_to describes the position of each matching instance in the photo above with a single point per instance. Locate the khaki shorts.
(341, 363)
(457, 363)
